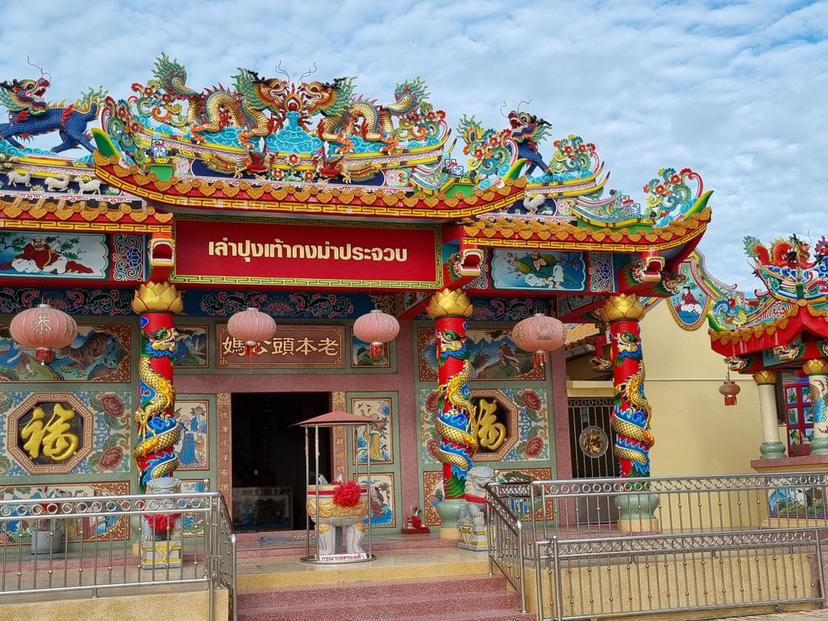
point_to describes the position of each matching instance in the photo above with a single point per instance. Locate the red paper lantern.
(43, 329)
(729, 389)
(251, 326)
(540, 334)
(376, 328)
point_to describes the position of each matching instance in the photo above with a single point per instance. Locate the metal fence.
(691, 543)
(117, 544)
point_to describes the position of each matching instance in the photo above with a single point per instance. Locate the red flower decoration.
(534, 446)
(162, 522)
(532, 401)
(432, 402)
(347, 494)
(112, 405)
(111, 457)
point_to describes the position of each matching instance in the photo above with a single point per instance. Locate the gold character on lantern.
(54, 437)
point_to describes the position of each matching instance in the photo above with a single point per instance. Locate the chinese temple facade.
(315, 205)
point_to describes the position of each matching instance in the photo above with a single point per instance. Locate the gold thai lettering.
(485, 425)
(249, 250)
(54, 437)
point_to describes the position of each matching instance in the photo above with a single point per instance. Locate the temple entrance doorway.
(269, 457)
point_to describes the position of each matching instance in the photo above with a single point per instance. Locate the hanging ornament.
(376, 328)
(729, 389)
(540, 334)
(43, 329)
(251, 326)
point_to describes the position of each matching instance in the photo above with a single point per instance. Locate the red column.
(453, 421)
(631, 410)
(158, 431)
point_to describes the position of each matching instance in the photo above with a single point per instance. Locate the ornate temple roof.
(277, 149)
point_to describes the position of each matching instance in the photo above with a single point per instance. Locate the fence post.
(521, 567)
(556, 568)
(538, 582)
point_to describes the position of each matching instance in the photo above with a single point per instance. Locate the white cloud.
(734, 90)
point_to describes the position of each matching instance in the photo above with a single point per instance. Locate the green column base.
(637, 506)
(636, 513)
(772, 450)
(819, 445)
(449, 511)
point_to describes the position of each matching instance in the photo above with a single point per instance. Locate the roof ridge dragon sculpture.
(31, 115)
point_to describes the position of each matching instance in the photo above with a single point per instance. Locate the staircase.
(419, 578)
(478, 598)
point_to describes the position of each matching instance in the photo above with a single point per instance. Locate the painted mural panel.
(549, 270)
(383, 493)
(110, 450)
(361, 358)
(689, 306)
(110, 527)
(192, 347)
(99, 353)
(193, 523)
(531, 444)
(56, 255)
(193, 445)
(377, 440)
(493, 355)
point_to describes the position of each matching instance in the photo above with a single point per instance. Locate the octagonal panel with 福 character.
(50, 433)
(496, 424)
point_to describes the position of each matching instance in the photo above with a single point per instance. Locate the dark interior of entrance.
(269, 458)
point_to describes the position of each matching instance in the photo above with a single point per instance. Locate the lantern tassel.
(539, 359)
(376, 350)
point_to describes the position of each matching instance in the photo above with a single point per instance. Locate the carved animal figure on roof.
(216, 108)
(30, 115)
(527, 131)
(57, 183)
(345, 115)
(92, 186)
(792, 252)
(18, 178)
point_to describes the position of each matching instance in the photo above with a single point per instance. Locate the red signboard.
(306, 254)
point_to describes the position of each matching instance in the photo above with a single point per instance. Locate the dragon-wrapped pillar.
(631, 415)
(817, 372)
(453, 421)
(158, 431)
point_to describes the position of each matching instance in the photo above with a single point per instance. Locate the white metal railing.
(616, 547)
(107, 543)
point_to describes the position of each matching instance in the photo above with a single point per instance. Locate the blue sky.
(736, 91)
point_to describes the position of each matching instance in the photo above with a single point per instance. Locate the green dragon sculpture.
(214, 109)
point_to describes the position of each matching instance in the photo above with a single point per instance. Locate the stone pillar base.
(636, 513)
(474, 536)
(819, 445)
(772, 450)
(449, 512)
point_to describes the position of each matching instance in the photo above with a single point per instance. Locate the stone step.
(364, 590)
(384, 605)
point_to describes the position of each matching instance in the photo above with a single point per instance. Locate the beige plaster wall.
(695, 433)
(182, 606)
